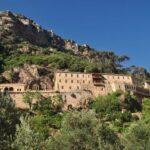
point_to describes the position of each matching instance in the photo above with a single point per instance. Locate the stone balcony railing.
(138, 90)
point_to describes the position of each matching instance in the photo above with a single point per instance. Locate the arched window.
(11, 89)
(6, 89)
(70, 107)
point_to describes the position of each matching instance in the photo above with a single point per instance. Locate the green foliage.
(48, 112)
(62, 60)
(146, 110)
(48, 127)
(9, 117)
(29, 96)
(27, 138)
(57, 103)
(58, 60)
(39, 123)
(82, 130)
(137, 137)
(130, 103)
(43, 106)
(2, 79)
(106, 104)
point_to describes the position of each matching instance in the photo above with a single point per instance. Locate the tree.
(130, 103)
(30, 97)
(27, 138)
(82, 130)
(57, 103)
(146, 111)
(48, 115)
(137, 137)
(9, 117)
(107, 104)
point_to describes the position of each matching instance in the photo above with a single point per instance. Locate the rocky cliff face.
(15, 28)
(21, 37)
(33, 76)
(21, 34)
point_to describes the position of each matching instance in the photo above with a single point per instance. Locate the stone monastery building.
(98, 84)
(75, 88)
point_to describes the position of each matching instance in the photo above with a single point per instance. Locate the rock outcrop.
(16, 28)
(35, 77)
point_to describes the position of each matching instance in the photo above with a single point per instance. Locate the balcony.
(98, 79)
(138, 90)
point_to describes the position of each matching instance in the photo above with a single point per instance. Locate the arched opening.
(35, 87)
(6, 89)
(11, 89)
(70, 107)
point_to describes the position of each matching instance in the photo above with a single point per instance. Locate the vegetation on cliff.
(23, 41)
(114, 121)
(105, 126)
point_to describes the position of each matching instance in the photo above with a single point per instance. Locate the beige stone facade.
(98, 84)
(147, 85)
(76, 88)
(12, 87)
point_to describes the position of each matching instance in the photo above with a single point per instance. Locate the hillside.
(23, 42)
(73, 111)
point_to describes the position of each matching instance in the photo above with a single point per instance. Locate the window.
(66, 75)
(70, 87)
(71, 81)
(78, 87)
(77, 81)
(71, 75)
(77, 75)
(83, 81)
(118, 77)
(89, 82)
(101, 89)
(62, 87)
(65, 81)
(11, 89)
(60, 80)
(83, 75)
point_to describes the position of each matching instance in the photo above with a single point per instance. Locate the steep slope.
(16, 28)
(25, 43)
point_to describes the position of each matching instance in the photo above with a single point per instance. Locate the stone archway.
(34, 85)
(11, 89)
(6, 89)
